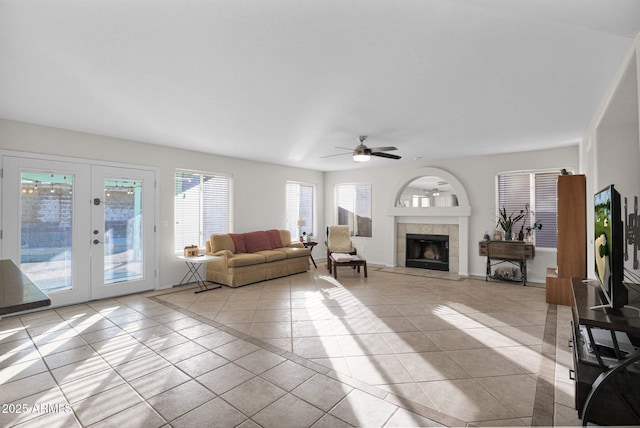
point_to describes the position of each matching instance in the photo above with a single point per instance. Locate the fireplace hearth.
(427, 251)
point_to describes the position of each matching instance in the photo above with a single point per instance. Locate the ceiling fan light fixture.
(361, 157)
(362, 153)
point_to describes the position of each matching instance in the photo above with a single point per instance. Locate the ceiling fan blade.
(385, 155)
(383, 149)
(337, 154)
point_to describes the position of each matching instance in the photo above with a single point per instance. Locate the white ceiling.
(285, 81)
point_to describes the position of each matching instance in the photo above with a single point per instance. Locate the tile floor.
(307, 350)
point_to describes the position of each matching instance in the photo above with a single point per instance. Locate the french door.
(122, 231)
(80, 232)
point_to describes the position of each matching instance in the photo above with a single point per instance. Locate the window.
(300, 209)
(354, 208)
(538, 190)
(202, 205)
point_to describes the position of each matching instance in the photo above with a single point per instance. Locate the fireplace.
(427, 251)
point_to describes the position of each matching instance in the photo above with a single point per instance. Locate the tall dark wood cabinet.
(572, 239)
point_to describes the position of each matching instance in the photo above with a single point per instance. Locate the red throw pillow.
(238, 241)
(274, 237)
(257, 241)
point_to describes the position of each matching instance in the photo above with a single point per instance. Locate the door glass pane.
(46, 229)
(122, 231)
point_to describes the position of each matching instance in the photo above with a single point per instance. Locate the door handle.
(95, 241)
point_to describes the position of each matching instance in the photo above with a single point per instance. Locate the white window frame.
(201, 238)
(292, 222)
(353, 225)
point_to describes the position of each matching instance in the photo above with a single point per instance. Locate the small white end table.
(193, 263)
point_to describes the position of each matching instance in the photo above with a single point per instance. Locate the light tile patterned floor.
(306, 350)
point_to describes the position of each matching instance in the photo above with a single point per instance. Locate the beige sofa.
(251, 257)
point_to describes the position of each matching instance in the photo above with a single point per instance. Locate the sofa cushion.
(274, 237)
(238, 241)
(257, 241)
(285, 237)
(246, 259)
(272, 255)
(293, 252)
(220, 242)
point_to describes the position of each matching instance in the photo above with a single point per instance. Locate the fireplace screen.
(428, 251)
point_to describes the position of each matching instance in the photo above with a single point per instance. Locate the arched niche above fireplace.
(429, 189)
(427, 192)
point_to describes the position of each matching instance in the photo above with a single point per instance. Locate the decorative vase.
(507, 235)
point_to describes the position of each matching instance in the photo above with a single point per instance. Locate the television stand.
(634, 308)
(596, 367)
(593, 308)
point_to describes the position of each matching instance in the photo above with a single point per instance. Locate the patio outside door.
(122, 231)
(51, 223)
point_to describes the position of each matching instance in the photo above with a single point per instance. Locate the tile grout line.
(360, 385)
(543, 408)
(389, 397)
(278, 351)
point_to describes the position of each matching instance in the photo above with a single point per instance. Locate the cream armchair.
(339, 241)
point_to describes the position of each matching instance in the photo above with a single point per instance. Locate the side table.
(193, 263)
(310, 245)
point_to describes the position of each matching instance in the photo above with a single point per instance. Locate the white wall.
(259, 188)
(610, 149)
(477, 175)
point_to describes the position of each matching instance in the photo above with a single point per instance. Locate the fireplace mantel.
(430, 212)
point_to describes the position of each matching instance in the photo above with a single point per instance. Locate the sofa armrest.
(296, 245)
(222, 263)
(221, 253)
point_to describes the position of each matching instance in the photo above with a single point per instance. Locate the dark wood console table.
(17, 292)
(592, 363)
(512, 252)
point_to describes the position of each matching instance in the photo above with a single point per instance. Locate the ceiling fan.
(362, 153)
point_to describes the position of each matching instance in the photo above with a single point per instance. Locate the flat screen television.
(609, 247)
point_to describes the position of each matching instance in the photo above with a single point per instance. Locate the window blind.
(514, 193)
(538, 190)
(354, 208)
(546, 209)
(346, 199)
(201, 207)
